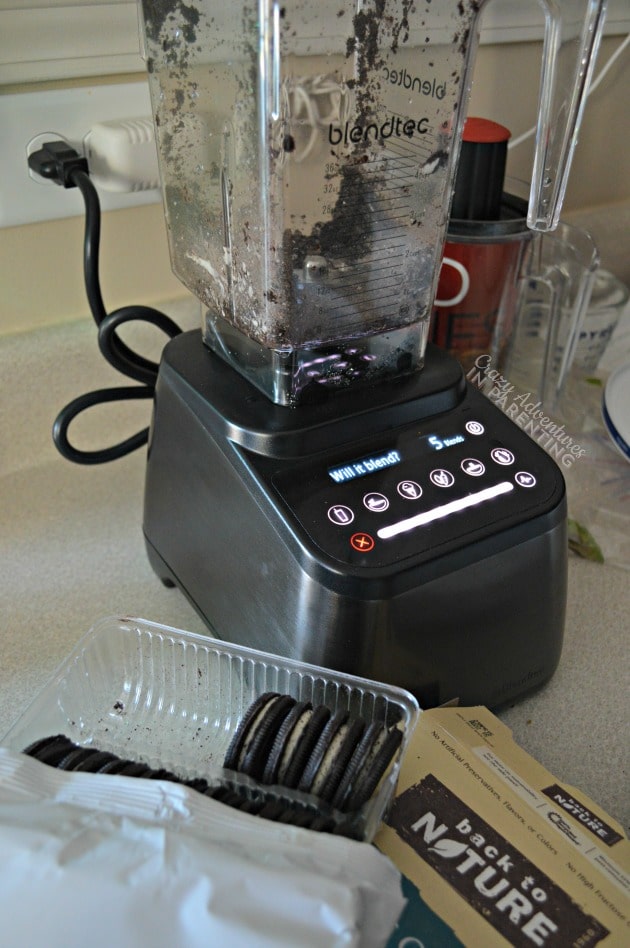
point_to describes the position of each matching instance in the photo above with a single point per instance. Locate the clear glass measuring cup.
(307, 155)
(538, 325)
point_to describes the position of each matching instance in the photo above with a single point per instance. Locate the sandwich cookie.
(308, 781)
(95, 761)
(34, 749)
(58, 748)
(133, 768)
(75, 757)
(336, 758)
(304, 746)
(285, 742)
(114, 766)
(379, 759)
(261, 734)
(238, 745)
(161, 774)
(355, 764)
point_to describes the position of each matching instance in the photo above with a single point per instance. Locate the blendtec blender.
(320, 483)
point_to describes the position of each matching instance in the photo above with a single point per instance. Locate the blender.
(320, 482)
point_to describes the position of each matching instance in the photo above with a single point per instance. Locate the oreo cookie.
(273, 810)
(133, 768)
(34, 749)
(237, 745)
(336, 759)
(55, 751)
(200, 784)
(303, 818)
(375, 767)
(304, 746)
(322, 823)
(285, 741)
(252, 807)
(357, 761)
(319, 752)
(113, 766)
(161, 773)
(262, 733)
(233, 798)
(93, 762)
(219, 792)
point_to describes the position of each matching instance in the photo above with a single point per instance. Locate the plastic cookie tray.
(173, 699)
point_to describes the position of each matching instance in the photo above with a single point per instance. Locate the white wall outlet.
(68, 114)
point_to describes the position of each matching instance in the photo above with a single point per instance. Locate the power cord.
(60, 163)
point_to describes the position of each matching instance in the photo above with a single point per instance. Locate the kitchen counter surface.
(73, 552)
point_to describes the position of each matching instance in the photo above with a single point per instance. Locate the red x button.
(362, 542)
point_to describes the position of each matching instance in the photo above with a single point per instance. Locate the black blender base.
(479, 618)
(465, 665)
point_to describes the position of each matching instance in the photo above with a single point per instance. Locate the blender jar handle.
(573, 30)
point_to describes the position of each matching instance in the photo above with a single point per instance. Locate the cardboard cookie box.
(494, 850)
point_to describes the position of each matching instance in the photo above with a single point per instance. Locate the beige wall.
(41, 264)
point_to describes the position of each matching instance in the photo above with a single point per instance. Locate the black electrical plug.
(57, 161)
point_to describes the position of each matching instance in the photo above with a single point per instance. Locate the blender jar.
(307, 152)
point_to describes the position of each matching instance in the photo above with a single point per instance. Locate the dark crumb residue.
(366, 28)
(347, 235)
(119, 706)
(464, 40)
(271, 296)
(157, 11)
(288, 143)
(400, 31)
(188, 31)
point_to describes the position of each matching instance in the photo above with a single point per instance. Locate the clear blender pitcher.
(307, 155)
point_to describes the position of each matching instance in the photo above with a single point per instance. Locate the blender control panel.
(426, 489)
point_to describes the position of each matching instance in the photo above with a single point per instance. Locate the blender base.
(327, 534)
(296, 376)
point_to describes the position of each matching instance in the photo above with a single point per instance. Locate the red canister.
(486, 235)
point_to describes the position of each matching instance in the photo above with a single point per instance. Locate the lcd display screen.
(439, 442)
(363, 466)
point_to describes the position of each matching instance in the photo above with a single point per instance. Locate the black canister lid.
(481, 171)
(511, 224)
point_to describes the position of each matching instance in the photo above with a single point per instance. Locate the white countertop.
(73, 552)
